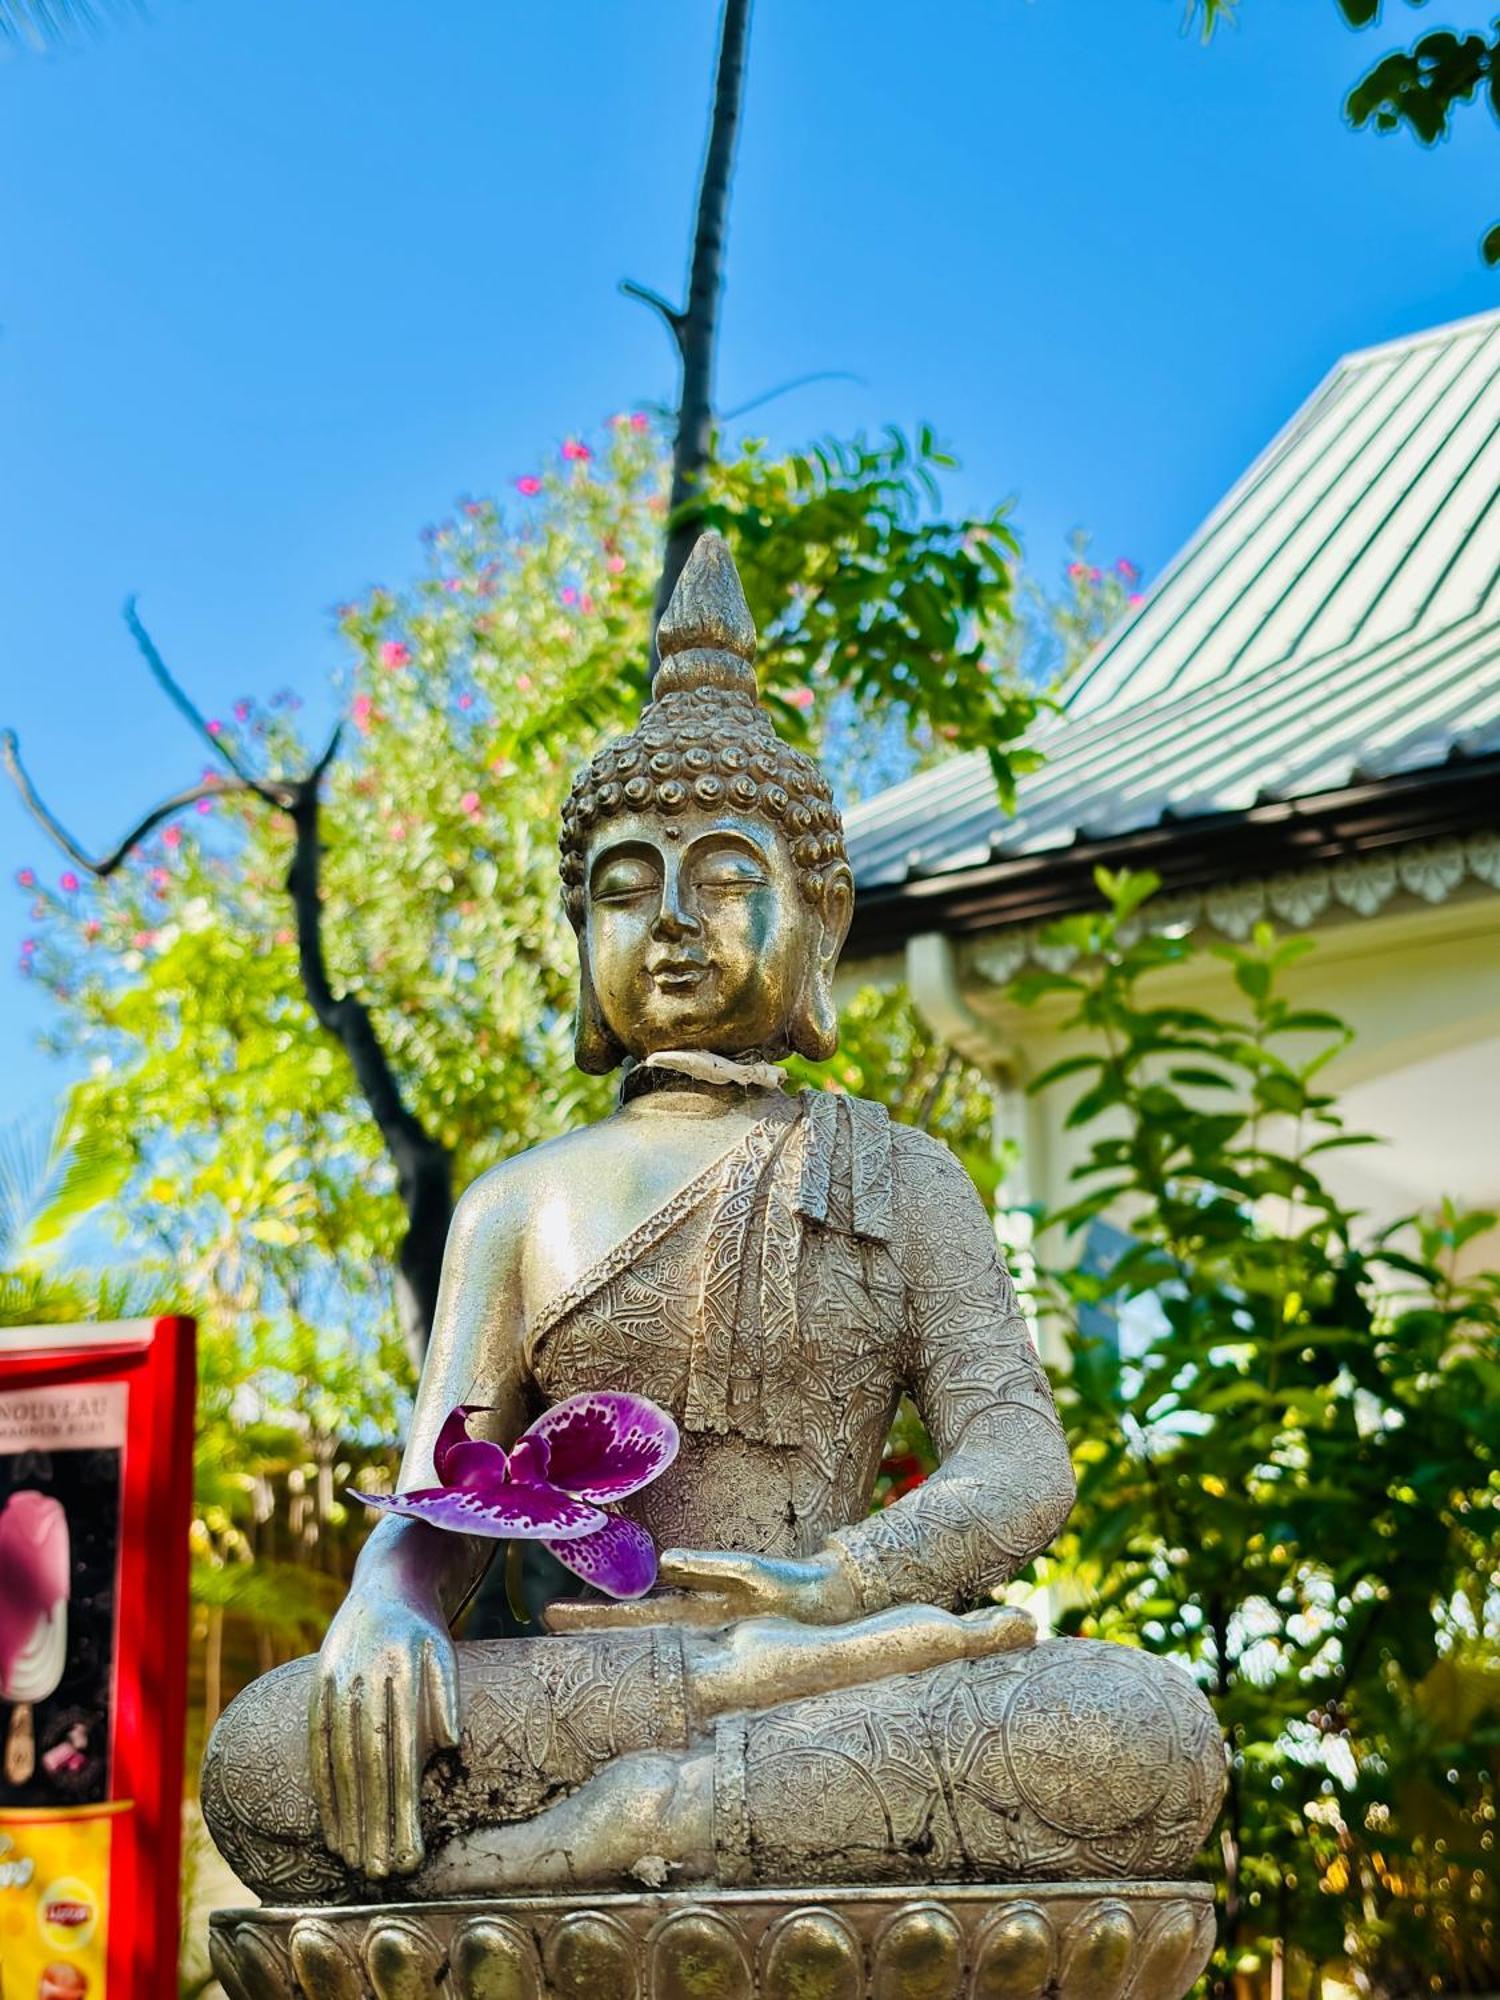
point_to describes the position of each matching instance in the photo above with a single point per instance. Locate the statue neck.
(698, 1072)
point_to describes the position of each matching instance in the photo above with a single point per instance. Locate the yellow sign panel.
(54, 1893)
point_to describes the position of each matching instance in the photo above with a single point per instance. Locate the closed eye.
(731, 872)
(623, 881)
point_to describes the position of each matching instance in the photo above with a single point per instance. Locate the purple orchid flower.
(553, 1485)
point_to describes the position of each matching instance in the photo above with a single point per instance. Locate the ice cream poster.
(95, 1472)
(61, 1456)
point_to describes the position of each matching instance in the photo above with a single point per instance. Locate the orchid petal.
(455, 1431)
(475, 1466)
(530, 1459)
(605, 1445)
(531, 1512)
(619, 1559)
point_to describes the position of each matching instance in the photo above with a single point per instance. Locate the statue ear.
(595, 1048)
(813, 1029)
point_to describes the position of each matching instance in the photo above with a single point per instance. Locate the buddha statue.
(815, 1700)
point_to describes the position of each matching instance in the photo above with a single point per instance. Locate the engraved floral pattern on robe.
(864, 1264)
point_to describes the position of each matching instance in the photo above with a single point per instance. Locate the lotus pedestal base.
(1037, 1941)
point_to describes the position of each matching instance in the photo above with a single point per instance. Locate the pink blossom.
(1077, 571)
(159, 879)
(28, 946)
(453, 583)
(398, 829)
(242, 711)
(568, 594)
(215, 728)
(523, 683)
(282, 937)
(69, 881)
(171, 836)
(394, 655)
(586, 605)
(640, 421)
(363, 708)
(473, 508)
(529, 484)
(1128, 570)
(466, 701)
(801, 698)
(26, 877)
(205, 806)
(469, 804)
(615, 565)
(143, 940)
(92, 928)
(1137, 597)
(576, 449)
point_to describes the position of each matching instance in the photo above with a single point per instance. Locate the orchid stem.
(515, 1595)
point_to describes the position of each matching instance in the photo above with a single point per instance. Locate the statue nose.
(674, 919)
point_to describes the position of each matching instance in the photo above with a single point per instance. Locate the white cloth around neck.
(710, 1068)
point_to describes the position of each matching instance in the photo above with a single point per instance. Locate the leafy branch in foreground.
(1288, 1443)
(1419, 88)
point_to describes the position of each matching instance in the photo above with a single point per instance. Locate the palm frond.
(47, 24)
(50, 1177)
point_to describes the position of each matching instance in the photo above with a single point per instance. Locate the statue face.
(698, 933)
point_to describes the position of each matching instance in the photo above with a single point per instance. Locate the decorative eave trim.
(1432, 872)
(1211, 858)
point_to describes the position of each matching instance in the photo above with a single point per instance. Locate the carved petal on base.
(1028, 1941)
(1169, 1962)
(812, 1956)
(1016, 1956)
(591, 1957)
(1100, 1954)
(403, 1958)
(494, 1961)
(696, 1955)
(919, 1956)
(326, 1966)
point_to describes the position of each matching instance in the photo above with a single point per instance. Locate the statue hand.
(384, 1697)
(814, 1590)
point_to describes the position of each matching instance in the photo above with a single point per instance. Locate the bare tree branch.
(786, 388)
(673, 315)
(424, 1167)
(106, 864)
(180, 701)
(696, 328)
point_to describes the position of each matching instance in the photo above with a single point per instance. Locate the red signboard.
(96, 1428)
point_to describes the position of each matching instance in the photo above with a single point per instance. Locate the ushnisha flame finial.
(706, 637)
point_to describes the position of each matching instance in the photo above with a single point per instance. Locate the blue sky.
(278, 281)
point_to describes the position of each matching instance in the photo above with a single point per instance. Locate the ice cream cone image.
(61, 1982)
(34, 1569)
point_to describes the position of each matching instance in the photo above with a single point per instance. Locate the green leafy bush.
(1289, 1466)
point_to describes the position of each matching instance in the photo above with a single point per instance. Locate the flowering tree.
(195, 981)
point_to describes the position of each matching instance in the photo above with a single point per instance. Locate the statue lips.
(678, 975)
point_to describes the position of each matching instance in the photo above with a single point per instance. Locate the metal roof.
(1336, 619)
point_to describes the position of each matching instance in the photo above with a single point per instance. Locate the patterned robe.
(778, 1306)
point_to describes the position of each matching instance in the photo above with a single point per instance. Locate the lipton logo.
(67, 1913)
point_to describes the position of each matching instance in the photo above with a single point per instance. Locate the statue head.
(703, 859)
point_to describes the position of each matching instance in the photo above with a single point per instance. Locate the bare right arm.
(386, 1692)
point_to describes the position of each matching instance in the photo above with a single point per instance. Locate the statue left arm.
(1004, 1484)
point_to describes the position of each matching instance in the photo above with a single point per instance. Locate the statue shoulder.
(933, 1199)
(507, 1193)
